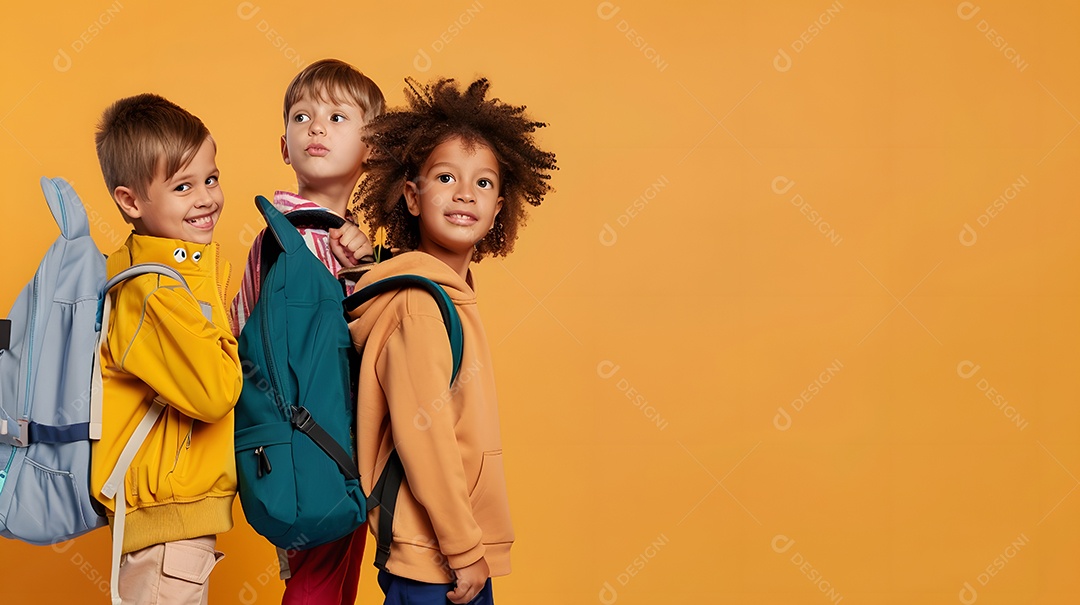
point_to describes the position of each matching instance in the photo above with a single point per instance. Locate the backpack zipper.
(63, 209)
(4, 473)
(264, 467)
(30, 350)
(276, 394)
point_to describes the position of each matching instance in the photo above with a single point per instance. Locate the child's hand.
(470, 581)
(349, 245)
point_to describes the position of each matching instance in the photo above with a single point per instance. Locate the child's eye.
(182, 188)
(485, 183)
(337, 117)
(301, 118)
(445, 178)
(211, 181)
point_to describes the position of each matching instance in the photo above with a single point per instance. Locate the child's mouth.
(317, 150)
(459, 218)
(202, 222)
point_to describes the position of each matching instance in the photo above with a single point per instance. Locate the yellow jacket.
(452, 508)
(183, 480)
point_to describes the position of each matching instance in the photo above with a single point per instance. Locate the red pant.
(327, 574)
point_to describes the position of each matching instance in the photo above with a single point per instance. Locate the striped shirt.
(317, 241)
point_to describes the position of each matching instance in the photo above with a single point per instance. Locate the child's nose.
(465, 193)
(205, 198)
(316, 126)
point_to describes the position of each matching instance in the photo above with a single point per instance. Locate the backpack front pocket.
(41, 510)
(266, 478)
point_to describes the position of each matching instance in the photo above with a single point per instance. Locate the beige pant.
(174, 573)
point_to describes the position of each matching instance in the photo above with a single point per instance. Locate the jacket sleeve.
(414, 370)
(174, 349)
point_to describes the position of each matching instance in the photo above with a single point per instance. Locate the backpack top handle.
(323, 220)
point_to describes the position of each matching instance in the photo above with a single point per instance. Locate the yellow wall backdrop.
(799, 325)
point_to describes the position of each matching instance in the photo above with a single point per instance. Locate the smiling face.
(456, 197)
(322, 141)
(184, 206)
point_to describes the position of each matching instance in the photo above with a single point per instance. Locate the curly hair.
(401, 141)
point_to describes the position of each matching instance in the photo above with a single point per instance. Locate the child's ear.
(412, 198)
(129, 203)
(498, 209)
(285, 150)
(365, 155)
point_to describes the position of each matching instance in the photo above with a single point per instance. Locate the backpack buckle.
(302, 419)
(23, 439)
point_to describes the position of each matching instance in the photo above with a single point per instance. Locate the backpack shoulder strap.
(384, 495)
(114, 488)
(114, 485)
(446, 308)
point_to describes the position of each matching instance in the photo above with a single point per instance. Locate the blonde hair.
(331, 79)
(138, 134)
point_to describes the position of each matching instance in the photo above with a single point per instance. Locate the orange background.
(773, 339)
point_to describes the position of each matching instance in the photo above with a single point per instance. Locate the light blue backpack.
(50, 385)
(46, 374)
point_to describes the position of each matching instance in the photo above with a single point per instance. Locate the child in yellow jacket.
(449, 178)
(166, 345)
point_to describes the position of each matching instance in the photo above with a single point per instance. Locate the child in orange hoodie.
(449, 179)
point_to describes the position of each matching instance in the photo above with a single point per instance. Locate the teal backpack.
(297, 476)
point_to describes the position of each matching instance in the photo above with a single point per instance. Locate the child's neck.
(335, 199)
(459, 263)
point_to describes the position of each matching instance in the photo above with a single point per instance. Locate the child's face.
(456, 196)
(185, 206)
(322, 142)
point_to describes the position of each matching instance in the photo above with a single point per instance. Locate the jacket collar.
(188, 258)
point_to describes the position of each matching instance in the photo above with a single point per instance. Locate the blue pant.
(403, 591)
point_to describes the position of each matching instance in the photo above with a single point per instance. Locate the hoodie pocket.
(491, 507)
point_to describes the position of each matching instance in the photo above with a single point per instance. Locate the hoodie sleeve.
(414, 370)
(173, 348)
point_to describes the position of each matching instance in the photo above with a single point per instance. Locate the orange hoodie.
(452, 508)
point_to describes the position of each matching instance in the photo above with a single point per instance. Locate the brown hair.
(330, 79)
(401, 141)
(138, 134)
